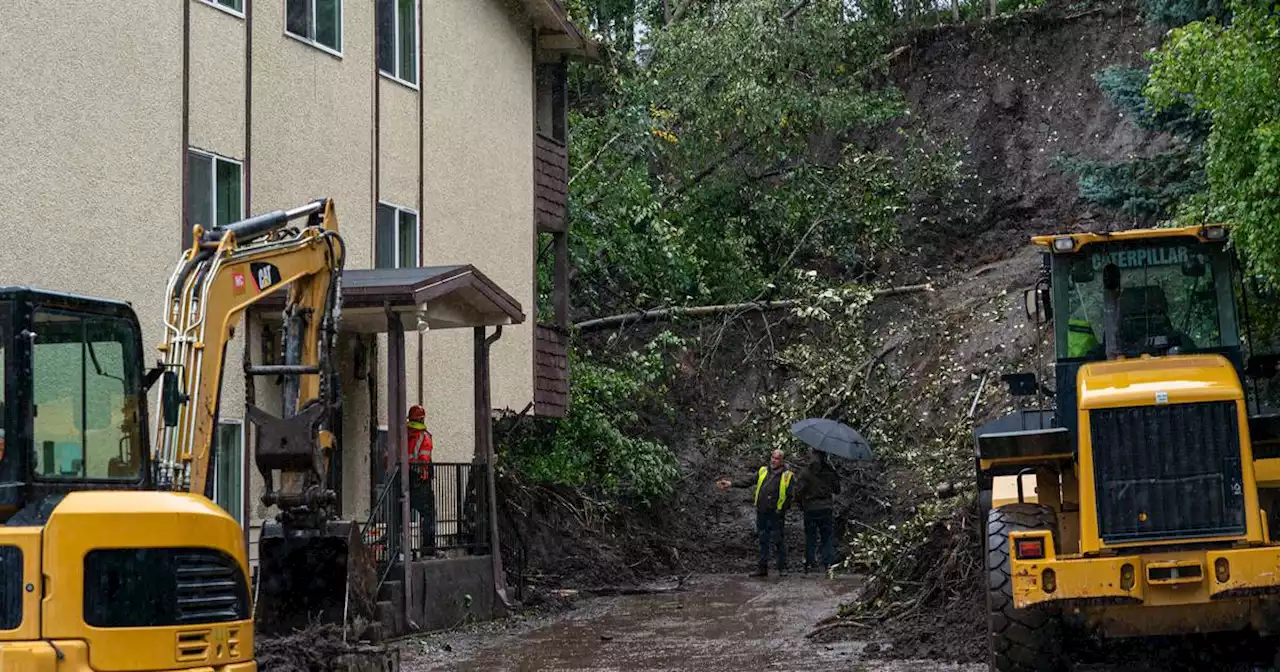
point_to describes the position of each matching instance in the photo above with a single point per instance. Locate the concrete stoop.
(446, 593)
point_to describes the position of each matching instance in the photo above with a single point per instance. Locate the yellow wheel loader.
(1140, 502)
(112, 554)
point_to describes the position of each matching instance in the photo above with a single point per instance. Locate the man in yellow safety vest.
(1081, 341)
(771, 483)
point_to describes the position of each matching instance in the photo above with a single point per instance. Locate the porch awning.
(445, 297)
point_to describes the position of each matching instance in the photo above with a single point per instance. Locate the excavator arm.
(225, 272)
(310, 563)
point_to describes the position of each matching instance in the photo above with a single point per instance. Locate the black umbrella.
(832, 437)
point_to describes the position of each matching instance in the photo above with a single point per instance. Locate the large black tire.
(1022, 640)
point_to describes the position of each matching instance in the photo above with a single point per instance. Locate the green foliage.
(701, 175)
(598, 446)
(1174, 13)
(1143, 190)
(1232, 75)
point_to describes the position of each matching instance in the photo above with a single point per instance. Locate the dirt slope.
(1018, 92)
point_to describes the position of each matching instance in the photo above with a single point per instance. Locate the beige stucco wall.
(398, 145)
(217, 81)
(91, 150)
(477, 65)
(313, 137)
(217, 124)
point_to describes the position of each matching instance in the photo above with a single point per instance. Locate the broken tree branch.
(703, 311)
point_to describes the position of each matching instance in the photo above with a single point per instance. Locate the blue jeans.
(819, 523)
(769, 527)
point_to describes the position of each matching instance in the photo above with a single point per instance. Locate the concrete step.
(392, 591)
(391, 617)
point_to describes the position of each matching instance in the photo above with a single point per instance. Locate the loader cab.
(1151, 293)
(74, 413)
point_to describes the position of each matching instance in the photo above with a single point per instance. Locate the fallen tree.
(722, 309)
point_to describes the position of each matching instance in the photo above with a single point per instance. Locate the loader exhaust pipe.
(1111, 310)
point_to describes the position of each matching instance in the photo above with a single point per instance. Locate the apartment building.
(437, 126)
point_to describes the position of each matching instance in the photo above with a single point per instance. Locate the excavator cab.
(97, 571)
(74, 406)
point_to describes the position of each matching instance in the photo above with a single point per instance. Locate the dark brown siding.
(551, 374)
(551, 163)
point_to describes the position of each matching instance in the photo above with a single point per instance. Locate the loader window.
(85, 419)
(1168, 299)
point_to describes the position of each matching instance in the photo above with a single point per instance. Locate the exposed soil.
(320, 648)
(1019, 93)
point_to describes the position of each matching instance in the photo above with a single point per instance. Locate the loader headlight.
(1064, 243)
(1049, 580)
(1222, 570)
(1215, 233)
(1126, 577)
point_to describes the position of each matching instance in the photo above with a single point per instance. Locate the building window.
(233, 6)
(215, 191)
(398, 39)
(397, 238)
(551, 100)
(228, 469)
(316, 21)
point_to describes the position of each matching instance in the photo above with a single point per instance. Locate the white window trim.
(214, 4)
(213, 184)
(342, 25)
(417, 44)
(244, 460)
(417, 253)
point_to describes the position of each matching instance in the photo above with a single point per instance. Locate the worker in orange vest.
(421, 493)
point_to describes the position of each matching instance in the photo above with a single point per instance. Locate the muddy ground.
(717, 622)
(726, 623)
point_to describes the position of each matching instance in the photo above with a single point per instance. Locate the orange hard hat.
(417, 412)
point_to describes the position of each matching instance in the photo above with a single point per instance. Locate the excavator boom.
(308, 560)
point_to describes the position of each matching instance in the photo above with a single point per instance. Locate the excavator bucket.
(313, 576)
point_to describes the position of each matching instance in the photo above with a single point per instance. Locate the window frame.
(311, 41)
(417, 235)
(395, 39)
(244, 455)
(217, 4)
(213, 185)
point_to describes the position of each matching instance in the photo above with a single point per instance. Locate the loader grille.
(1168, 472)
(11, 577)
(151, 587)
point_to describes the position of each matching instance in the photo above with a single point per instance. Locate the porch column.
(484, 446)
(397, 438)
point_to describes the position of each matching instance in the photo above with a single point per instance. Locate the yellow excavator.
(112, 554)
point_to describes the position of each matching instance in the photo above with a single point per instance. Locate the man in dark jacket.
(815, 491)
(771, 498)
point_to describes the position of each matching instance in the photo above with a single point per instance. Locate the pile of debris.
(930, 604)
(323, 648)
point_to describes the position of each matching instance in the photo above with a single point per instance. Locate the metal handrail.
(390, 536)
